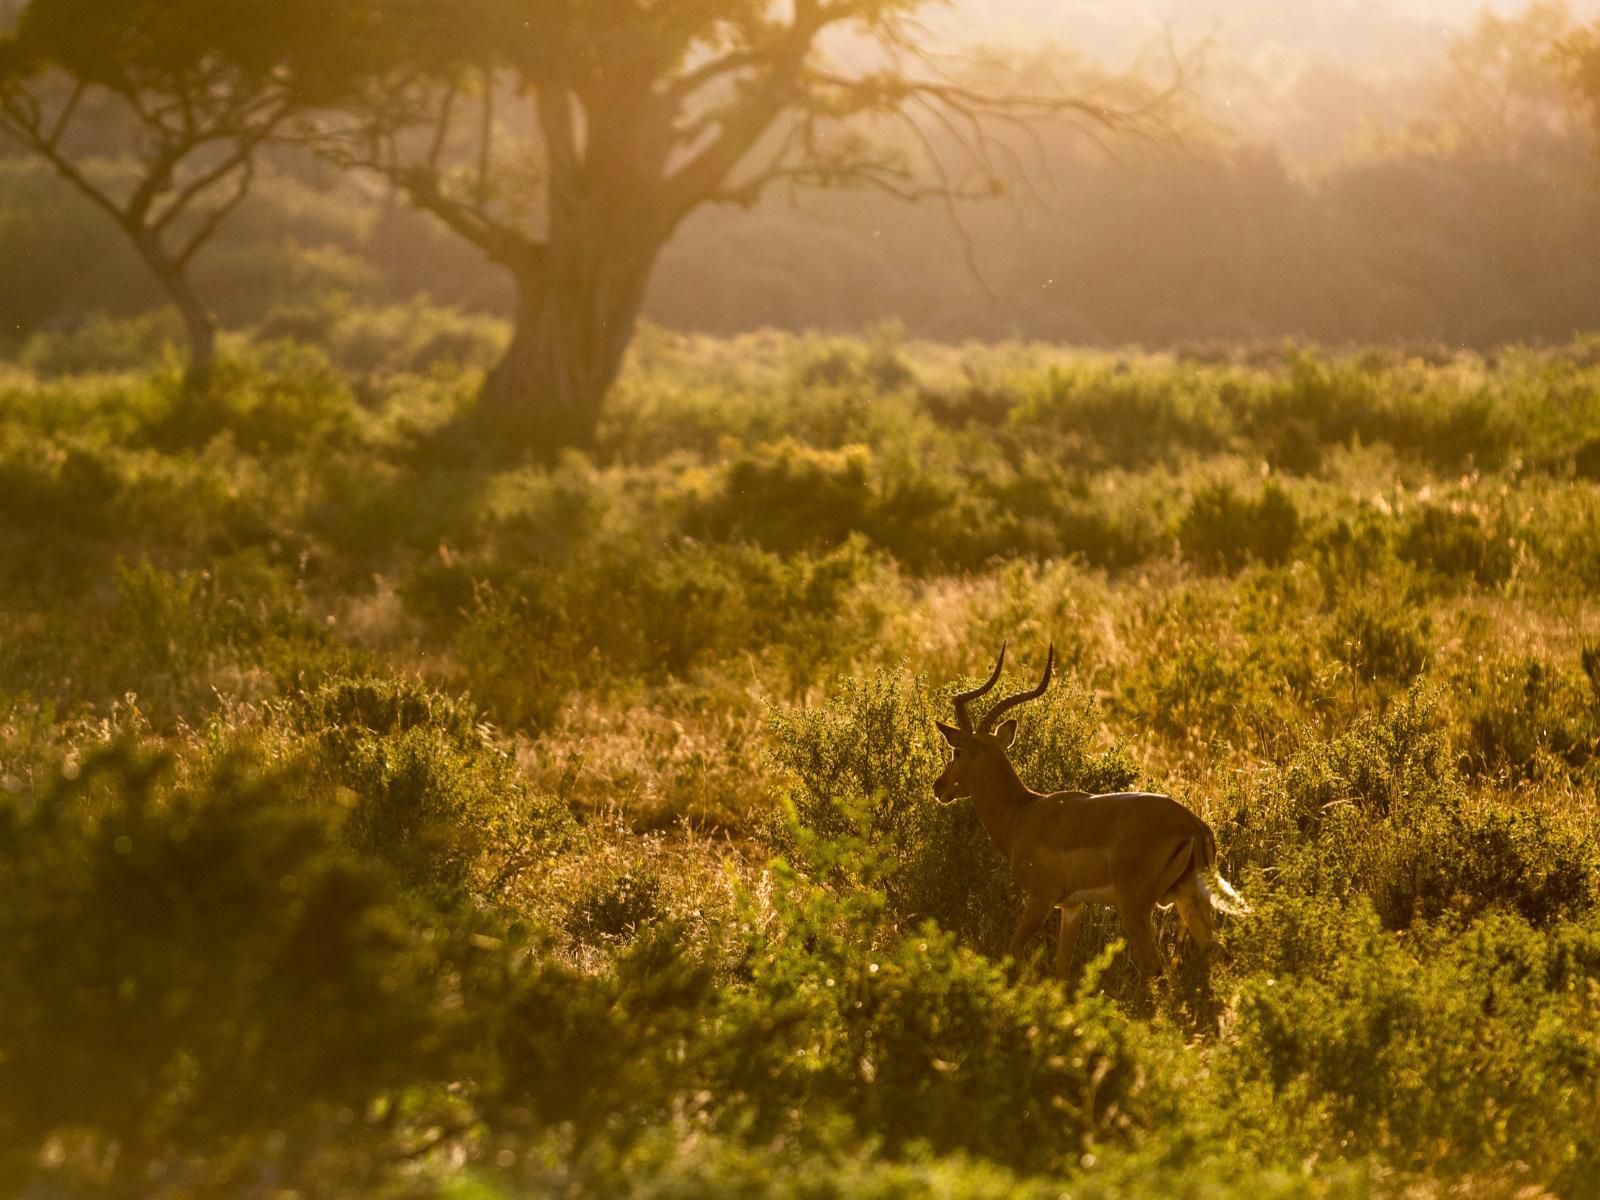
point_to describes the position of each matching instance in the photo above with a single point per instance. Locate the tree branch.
(209, 226)
(498, 241)
(65, 118)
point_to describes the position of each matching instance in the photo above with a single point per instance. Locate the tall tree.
(638, 113)
(192, 88)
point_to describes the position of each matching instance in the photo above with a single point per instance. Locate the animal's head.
(978, 750)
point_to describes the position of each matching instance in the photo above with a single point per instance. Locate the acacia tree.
(194, 89)
(639, 112)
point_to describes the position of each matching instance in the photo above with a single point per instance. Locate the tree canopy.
(568, 141)
(197, 88)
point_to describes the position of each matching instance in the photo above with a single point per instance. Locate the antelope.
(1067, 849)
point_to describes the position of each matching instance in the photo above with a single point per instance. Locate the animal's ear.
(1005, 733)
(951, 733)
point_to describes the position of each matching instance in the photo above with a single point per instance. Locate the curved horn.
(1021, 697)
(963, 717)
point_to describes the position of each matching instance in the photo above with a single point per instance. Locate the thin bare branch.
(209, 226)
(68, 110)
(441, 128)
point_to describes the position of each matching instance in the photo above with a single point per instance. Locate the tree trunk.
(573, 325)
(198, 324)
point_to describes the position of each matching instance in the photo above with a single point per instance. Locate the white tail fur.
(1225, 898)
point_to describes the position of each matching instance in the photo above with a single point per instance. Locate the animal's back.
(1074, 814)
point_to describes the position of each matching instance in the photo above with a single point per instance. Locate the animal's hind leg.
(1141, 936)
(1194, 910)
(1071, 923)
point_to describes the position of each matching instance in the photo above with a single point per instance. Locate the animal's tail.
(1224, 897)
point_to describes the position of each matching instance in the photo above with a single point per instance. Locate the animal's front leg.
(1032, 920)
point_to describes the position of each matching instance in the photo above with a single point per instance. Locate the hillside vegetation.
(373, 822)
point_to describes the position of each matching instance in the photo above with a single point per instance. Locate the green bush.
(1437, 417)
(1309, 819)
(199, 981)
(1457, 543)
(878, 364)
(106, 344)
(921, 1043)
(786, 497)
(1120, 415)
(1223, 530)
(428, 790)
(271, 400)
(863, 765)
(174, 637)
(1382, 811)
(628, 610)
(616, 909)
(1530, 719)
(1460, 862)
(416, 336)
(1380, 640)
(1459, 1054)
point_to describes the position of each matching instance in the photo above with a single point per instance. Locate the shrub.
(1313, 821)
(1219, 663)
(863, 764)
(918, 1041)
(1381, 811)
(272, 400)
(616, 909)
(1460, 862)
(1455, 1055)
(199, 978)
(1530, 719)
(105, 344)
(1381, 638)
(429, 790)
(1223, 530)
(786, 497)
(1457, 542)
(878, 364)
(46, 488)
(1121, 416)
(631, 610)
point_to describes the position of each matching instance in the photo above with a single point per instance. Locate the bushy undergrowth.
(863, 766)
(375, 821)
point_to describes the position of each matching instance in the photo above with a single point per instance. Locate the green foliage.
(280, 397)
(428, 790)
(632, 609)
(616, 909)
(1223, 530)
(104, 344)
(790, 497)
(1457, 542)
(1468, 1054)
(241, 982)
(1123, 417)
(1382, 811)
(1531, 718)
(1380, 641)
(554, 955)
(863, 764)
(414, 337)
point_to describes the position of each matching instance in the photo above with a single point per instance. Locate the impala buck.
(1131, 849)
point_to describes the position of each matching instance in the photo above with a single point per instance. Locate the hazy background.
(1350, 172)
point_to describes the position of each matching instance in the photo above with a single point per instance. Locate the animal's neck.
(998, 802)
